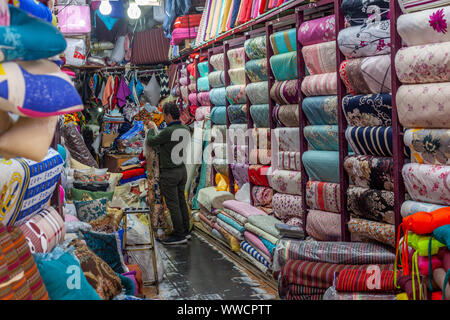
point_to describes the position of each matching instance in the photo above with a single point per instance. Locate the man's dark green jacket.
(164, 141)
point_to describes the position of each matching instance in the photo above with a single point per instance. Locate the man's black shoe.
(174, 240)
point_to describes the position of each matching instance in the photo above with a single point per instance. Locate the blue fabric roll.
(203, 84)
(231, 222)
(234, 13)
(218, 96)
(322, 137)
(269, 245)
(254, 253)
(257, 70)
(322, 165)
(260, 115)
(284, 66)
(203, 68)
(219, 115)
(368, 110)
(321, 109)
(284, 41)
(237, 113)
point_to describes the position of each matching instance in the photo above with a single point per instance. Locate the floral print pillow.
(91, 210)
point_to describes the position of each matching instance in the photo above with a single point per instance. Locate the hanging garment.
(108, 91)
(108, 28)
(122, 93)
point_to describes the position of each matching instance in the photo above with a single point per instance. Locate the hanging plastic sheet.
(424, 27)
(260, 115)
(320, 58)
(237, 76)
(323, 137)
(322, 165)
(368, 230)
(219, 115)
(324, 196)
(221, 166)
(358, 12)
(371, 204)
(369, 110)
(367, 75)
(218, 132)
(285, 92)
(423, 64)
(184, 94)
(366, 40)
(317, 30)
(286, 181)
(427, 183)
(321, 109)
(410, 207)
(203, 84)
(220, 150)
(323, 226)
(370, 171)
(237, 113)
(424, 105)
(256, 70)
(236, 94)
(257, 92)
(429, 146)
(217, 96)
(320, 84)
(284, 66)
(284, 41)
(236, 58)
(255, 47)
(217, 79)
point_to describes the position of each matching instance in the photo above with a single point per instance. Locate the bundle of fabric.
(211, 198)
(263, 226)
(132, 175)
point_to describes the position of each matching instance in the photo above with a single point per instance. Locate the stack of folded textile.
(185, 27)
(285, 178)
(367, 108)
(306, 269)
(320, 107)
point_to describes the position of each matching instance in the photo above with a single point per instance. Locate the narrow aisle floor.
(199, 271)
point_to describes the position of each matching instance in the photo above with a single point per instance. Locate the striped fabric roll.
(323, 196)
(350, 280)
(289, 160)
(284, 41)
(255, 254)
(320, 84)
(320, 58)
(285, 92)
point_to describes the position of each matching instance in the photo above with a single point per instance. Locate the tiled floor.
(198, 271)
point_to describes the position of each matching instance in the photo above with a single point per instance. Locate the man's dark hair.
(172, 109)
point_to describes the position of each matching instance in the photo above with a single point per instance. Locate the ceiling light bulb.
(134, 12)
(105, 7)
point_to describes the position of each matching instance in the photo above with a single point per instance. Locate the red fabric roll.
(187, 21)
(257, 175)
(132, 173)
(350, 280)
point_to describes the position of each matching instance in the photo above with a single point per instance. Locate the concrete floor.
(199, 271)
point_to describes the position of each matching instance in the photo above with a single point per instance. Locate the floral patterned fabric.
(371, 204)
(284, 66)
(202, 112)
(369, 110)
(284, 41)
(216, 79)
(410, 207)
(371, 172)
(237, 76)
(285, 92)
(323, 226)
(217, 61)
(256, 70)
(320, 58)
(372, 230)
(320, 84)
(286, 181)
(236, 94)
(287, 205)
(257, 92)
(260, 115)
(91, 210)
(203, 98)
(430, 146)
(262, 196)
(317, 30)
(255, 47)
(218, 96)
(359, 12)
(424, 105)
(237, 113)
(257, 175)
(427, 183)
(424, 63)
(288, 160)
(321, 109)
(324, 137)
(288, 115)
(288, 139)
(323, 196)
(240, 173)
(322, 165)
(424, 27)
(236, 58)
(219, 115)
(368, 75)
(366, 40)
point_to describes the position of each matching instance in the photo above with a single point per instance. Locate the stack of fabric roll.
(308, 270)
(256, 230)
(202, 86)
(424, 111)
(285, 178)
(217, 98)
(367, 108)
(256, 90)
(321, 161)
(183, 85)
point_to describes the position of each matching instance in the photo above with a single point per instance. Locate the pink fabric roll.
(203, 98)
(256, 243)
(317, 30)
(193, 98)
(242, 208)
(323, 226)
(201, 112)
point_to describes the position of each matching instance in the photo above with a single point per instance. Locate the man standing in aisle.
(173, 174)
